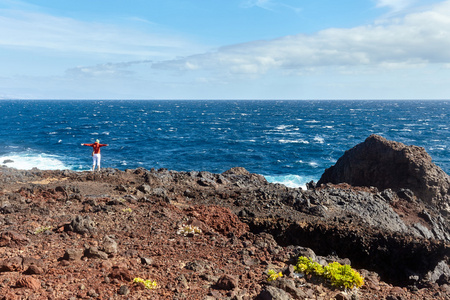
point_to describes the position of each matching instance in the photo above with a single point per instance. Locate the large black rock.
(388, 164)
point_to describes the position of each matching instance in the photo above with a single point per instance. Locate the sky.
(225, 49)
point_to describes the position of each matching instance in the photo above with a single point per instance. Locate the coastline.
(248, 226)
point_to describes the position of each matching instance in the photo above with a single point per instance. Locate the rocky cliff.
(388, 164)
(84, 235)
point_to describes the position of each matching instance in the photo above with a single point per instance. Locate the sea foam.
(29, 160)
(292, 181)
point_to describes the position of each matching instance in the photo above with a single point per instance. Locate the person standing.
(96, 157)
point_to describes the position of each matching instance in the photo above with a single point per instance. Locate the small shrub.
(189, 230)
(148, 284)
(42, 229)
(343, 276)
(308, 266)
(127, 210)
(340, 276)
(273, 275)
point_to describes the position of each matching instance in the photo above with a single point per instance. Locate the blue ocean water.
(291, 142)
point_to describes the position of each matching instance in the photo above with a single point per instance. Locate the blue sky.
(225, 49)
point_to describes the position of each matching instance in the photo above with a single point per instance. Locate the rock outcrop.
(199, 235)
(388, 164)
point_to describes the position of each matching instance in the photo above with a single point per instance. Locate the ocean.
(289, 142)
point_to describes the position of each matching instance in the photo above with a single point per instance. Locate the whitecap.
(293, 141)
(283, 127)
(290, 180)
(319, 139)
(310, 163)
(30, 159)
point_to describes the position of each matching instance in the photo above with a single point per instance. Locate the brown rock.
(109, 245)
(11, 264)
(34, 269)
(93, 252)
(342, 296)
(227, 282)
(73, 254)
(30, 261)
(121, 273)
(12, 238)
(28, 282)
(397, 290)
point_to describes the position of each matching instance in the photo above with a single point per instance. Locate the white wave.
(292, 181)
(293, 141)
(311, 163)
(29, 160)
(319, 139)
(283, 127)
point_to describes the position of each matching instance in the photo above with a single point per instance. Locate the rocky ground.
(85, 235)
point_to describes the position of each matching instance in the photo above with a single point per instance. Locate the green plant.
(148, 284)
(188, 230)
(42, 229)
(308, 266)
(128, 210)
(273, 275)
(341, 276)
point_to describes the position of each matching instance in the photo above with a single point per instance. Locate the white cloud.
(412, 41)
(395, 5)
(34, 30)
(105, 70)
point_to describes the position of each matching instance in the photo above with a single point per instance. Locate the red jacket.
(96, 147)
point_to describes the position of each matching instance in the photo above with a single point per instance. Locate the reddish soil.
(129, 227)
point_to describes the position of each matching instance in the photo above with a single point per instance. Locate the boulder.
(28, 282)
(227, 282)
(81, 225)
(388, 164)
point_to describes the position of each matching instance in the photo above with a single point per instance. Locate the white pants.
(96, 160)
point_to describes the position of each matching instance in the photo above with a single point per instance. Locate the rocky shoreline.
(383, 208)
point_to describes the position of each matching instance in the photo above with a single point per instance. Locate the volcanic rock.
(388, 164)
(111, 227)
(29, 282)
